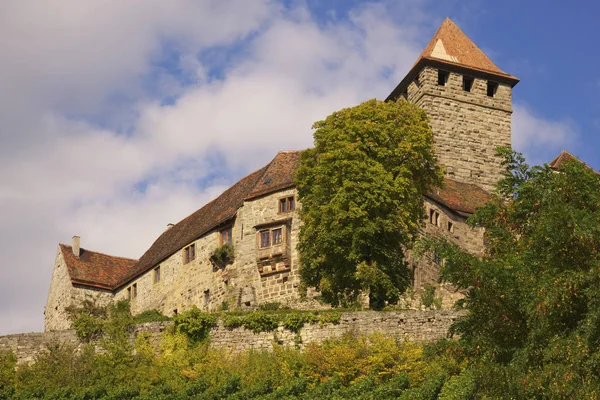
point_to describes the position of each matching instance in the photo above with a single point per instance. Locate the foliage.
(534, 297)
(194, 323)
(361, 189)
(87, 320)
(293, 320)
(428, 296)
(270, 306)
(8, 362)
(224, 255)
(150, 316)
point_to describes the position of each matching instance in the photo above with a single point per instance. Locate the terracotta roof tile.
(279, 175)
(95, 269)
(460, 197)
(450, 47)
(451, 44)
(566, 156)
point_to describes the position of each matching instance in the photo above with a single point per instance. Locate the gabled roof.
(463, 198)
(451, 48)
(95, 269)
(277, 175)
(565, 156)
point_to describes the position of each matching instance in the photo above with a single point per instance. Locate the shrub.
(195, 324)
(223, 255)
(271, 306)
(150, 316)
(428, 296)
(259, 321)
(294, 322)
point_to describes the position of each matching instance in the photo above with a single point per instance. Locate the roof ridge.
(97, 252)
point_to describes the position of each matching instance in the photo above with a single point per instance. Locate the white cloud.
(62, 173)
(538, 138)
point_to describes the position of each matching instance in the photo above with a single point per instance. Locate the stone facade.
(403, 325)
(257, 275)
(63, 294)
(467, 126)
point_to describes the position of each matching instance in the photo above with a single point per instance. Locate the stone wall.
(63, 294)
(411, 325)
(256, 275)
(467, 126)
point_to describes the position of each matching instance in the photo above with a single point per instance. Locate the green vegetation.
(361, 189)
(223, 255)
(351, 367)
(534, 298)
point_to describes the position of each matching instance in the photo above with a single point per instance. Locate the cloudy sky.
(118, 117)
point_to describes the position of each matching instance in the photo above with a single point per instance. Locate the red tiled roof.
(277, 175)
(451, 47)
(95, 269)
(460, 197)
(566, 156)
(450, 44)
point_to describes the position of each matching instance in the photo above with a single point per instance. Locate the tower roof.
(450, 44)
(451, 48)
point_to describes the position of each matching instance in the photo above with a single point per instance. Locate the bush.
(195, 324)
(150, 316)
(259, 321)
(222, 256)
(428, 296)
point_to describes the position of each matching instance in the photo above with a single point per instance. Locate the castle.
(468, 100)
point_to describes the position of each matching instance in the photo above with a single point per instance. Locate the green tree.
(534, 297)
(361, 190)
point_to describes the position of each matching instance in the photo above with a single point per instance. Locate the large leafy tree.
(534, 297)
(361, 190)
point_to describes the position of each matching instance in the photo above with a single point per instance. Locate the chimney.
(169, 226)
(76, 240)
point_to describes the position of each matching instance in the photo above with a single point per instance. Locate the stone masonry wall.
(63, 294)
(411, 325)
(467, 126)
(242, 284)
(426, 269)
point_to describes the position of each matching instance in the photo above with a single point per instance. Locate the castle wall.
(63, 294)
(404, 325)
(467, 126)
(247, 282)
(425, 270)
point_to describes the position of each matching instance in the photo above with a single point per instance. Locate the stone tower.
(468, 100)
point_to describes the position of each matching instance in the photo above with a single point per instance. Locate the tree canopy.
(361, 190)
(534, 297)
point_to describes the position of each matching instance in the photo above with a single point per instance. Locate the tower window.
(450, 227)
(467, 83)
(442, 77)
(492, 87)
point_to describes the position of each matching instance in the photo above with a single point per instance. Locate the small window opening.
(206, 297)
(134, 291)
(287, 204)
(175, 312)
(226, 236)
(450, 227)
(431, 212)
(247, 304)
(492, 87)
(265, 239)
(467, 83)
(226, 282)
(156, 274)
(129, 293)
(189, 253)
(442, 77)
(285, 279)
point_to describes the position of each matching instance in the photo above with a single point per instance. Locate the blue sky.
(116, 119)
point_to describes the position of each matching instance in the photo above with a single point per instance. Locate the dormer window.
(492, 87)
(189, 253)
(467, 83)
(442, 77)
(287, 204)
